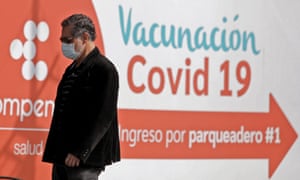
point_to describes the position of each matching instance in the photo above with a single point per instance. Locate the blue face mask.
(68, 50)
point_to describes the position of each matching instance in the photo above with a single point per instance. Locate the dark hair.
(81, 23)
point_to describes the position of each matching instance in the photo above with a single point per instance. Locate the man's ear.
(86, 36)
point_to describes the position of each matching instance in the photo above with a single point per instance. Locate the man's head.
(80, 23)
(78, 36)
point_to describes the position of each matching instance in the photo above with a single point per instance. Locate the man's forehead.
(67, 30)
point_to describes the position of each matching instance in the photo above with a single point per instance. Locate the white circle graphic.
(41, 70)
(28, 70)
(29, 50)
(42, 31)
(16, 49)
(30, 30)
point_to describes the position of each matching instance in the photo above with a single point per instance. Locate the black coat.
(85, 121)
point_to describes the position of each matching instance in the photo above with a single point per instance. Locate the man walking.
(83, 136)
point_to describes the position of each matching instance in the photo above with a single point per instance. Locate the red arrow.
(207, 135)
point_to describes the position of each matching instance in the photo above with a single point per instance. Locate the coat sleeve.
(102, 108)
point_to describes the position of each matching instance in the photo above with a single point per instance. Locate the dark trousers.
(60, 172)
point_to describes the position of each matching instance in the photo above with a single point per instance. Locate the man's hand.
(72, 161)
